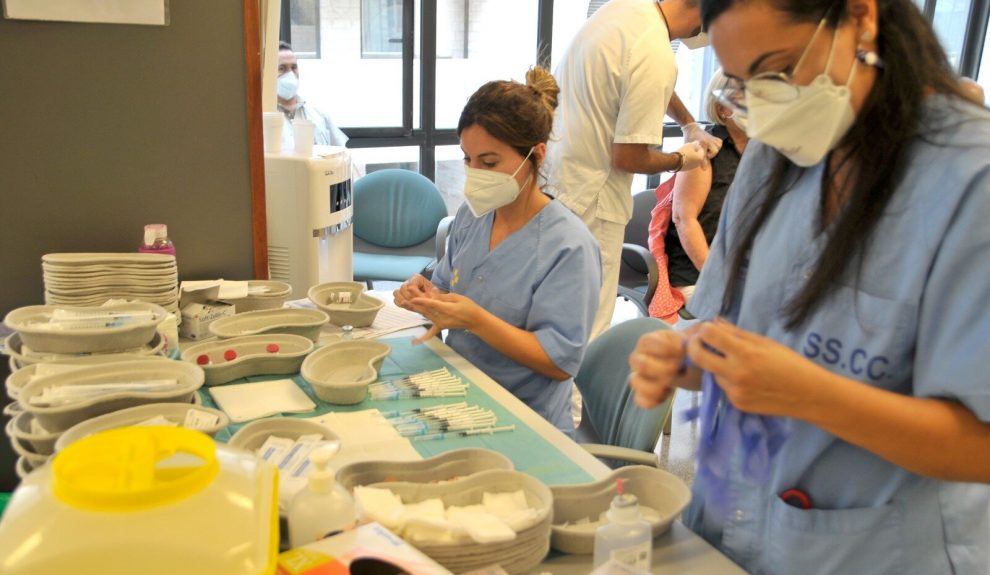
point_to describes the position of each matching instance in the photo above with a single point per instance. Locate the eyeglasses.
(777, 87)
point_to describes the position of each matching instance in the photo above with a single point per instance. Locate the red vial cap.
(230, 355)
(203, 359)
(272, 348)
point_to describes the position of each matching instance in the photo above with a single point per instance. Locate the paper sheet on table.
(247, 401)
(390, 319)
(367, 436)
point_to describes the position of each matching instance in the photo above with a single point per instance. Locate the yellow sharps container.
(149, 500)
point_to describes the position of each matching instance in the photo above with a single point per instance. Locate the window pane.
(501, 45)
(370, 160)
(983, 76)
(381, 28)
(353, 90)
(951, 17)
(304, 27)
(450, 176)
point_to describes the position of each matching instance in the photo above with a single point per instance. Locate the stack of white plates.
(90, 279)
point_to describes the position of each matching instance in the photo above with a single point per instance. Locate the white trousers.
(609, 236)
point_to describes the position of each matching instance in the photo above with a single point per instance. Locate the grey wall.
(104, 128)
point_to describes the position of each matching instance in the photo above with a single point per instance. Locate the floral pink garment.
(667, 300)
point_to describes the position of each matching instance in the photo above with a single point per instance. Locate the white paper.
(367, 436)
(154, 12)
(247, 401)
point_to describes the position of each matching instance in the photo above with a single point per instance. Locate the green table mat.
(529, 451)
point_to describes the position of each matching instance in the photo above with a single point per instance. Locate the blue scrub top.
(544, 278)
(913, 322)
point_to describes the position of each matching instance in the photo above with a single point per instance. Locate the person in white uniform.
(616, 79)
(846, 404)
(518, 286)
(293, 106)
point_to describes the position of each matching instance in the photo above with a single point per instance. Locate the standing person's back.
(615, 79)
(616, 83)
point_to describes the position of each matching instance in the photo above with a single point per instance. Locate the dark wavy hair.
(914, 62)
(521, 115)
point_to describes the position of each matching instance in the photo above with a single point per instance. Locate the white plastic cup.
(303, 132)
(273, 132)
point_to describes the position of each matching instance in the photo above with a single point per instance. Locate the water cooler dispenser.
(309, 205)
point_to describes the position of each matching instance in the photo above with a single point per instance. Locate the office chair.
(397, 214)
(612, 426)
(638, 274)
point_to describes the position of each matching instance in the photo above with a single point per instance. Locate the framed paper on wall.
(147, 12)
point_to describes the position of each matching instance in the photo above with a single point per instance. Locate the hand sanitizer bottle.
(156, 240)
(627, 538)
(322, 507)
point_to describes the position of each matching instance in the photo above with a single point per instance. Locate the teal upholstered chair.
(613, 427)
(396, 217)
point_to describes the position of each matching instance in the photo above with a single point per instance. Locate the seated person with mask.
(294, 107)
(692, 201)
(518, 287)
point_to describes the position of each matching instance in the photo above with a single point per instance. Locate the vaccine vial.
(627, 538)
(347, 332)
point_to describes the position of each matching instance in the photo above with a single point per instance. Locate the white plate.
(90, 258)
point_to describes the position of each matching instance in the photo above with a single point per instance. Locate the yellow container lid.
(134, 468)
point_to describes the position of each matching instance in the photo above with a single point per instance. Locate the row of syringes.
(441, 421)
(436, 383)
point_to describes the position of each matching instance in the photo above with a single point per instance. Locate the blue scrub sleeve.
(953, 327)
(564, 305)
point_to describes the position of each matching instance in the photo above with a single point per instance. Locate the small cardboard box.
(197, 317)
(371, 542)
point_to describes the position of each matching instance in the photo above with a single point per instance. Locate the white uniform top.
(325, 134)
(616, 80)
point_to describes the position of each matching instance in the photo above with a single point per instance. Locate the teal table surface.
(530, 450)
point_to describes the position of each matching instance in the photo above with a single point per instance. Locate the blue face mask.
(288, 86)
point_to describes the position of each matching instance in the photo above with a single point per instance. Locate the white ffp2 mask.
(809, 126)
(288, 86)
(699, 40)
(486, 190)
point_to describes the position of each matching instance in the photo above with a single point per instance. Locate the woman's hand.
(414, 287)
(446, 311)
(758, 374)
(656, 363)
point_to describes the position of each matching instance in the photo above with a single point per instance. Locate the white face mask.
(739, 120)
(486, 190)
(288, 86)
(807, 127)
(695, 42)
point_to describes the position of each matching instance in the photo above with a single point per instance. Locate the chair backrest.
(608, 401)
(396, 208)
(638, 227)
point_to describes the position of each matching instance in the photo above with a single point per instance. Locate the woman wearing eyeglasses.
(846, 402)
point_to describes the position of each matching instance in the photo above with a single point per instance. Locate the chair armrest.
(622, 453)
(443, 229)
(653, 273)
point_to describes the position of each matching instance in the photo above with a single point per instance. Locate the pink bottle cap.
(272, 348)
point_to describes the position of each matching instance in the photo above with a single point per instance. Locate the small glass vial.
(347, 332)
(627, 538)
(156, 240)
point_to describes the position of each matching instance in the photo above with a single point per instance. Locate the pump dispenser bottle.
(627, 537)
(322, 507)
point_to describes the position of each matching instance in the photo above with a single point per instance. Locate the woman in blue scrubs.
(847, 288)
(518, 286)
